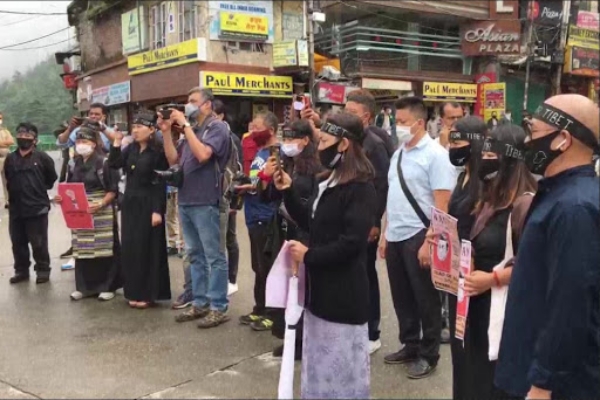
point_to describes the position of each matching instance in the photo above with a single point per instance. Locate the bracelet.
(263, 177)
(496, 279)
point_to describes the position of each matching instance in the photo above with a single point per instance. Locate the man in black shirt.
(29, 174)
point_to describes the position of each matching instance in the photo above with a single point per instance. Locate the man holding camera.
(202, 156)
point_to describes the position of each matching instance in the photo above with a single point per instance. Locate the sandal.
(142, 305)
(133, 304)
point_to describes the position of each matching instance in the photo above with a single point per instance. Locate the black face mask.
(488, 169)
(25, 144)
(459, 156)
(330, 157)
(539, 154)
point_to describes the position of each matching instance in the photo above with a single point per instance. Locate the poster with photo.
(494, 102)
(445, 253)
(462, 302)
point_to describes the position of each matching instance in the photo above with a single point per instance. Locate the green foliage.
(37, 96)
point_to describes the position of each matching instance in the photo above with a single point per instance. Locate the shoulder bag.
(409, 196)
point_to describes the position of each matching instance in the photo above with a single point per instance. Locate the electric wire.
(34, 40)
(41, 47)
(29, 13)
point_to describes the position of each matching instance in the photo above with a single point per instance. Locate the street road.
(51, 347)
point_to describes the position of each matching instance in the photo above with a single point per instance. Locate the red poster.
(331, 93)
(75, 206)
(462, 306)
(480, 80)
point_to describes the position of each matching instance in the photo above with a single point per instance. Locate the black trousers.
(65, 165)
(374, 297)
(30, 231)
(233, 249)
(261, 265)
(416, 301)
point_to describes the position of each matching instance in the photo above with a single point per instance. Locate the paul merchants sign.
(247, 85)
(482, 38)
(440, 91)
(167, 57)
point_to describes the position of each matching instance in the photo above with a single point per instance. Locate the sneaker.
(250, 318)
(401, 357)
(263, 324)
(106, 296)
(68, 265)
(213, 319)
(445, 336)
(374, 345)
(19, 278)
(192, 314)
(278, 351)
(420, 369)
(183, 301)
(42, 279)
(67, 254)
(76, 295)
(232, 288)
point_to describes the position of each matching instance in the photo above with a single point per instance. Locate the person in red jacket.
(249, 149)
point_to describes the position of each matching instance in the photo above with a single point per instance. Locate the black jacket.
(377, 154)
(28, 180)
(385, 138)
(337, 282)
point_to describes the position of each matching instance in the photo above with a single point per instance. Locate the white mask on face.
(0, 122)
(291, 149)
(84, 149)
(404, 133)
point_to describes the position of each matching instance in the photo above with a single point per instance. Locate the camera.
(172, 177)
(165, 111)
(235, 199)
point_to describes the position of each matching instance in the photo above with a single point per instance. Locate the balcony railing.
(358, 46)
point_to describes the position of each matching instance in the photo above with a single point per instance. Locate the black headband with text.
(562, 121)
(338, 131)
(469, 137)
(503, 149)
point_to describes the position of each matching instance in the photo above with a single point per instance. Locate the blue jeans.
(208, 263)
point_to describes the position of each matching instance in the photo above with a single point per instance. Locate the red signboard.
(480, 80)
(75, 205)
(331, 93)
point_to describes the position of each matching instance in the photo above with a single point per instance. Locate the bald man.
(551, 338)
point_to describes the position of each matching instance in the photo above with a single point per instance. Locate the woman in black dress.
(466, 142)
(144, 253)
(96, 251)
(507, 193)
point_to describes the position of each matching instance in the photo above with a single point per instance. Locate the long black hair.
(472, 124)
(307, 162)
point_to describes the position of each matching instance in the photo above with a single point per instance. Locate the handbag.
(411, 199)
(499, 297)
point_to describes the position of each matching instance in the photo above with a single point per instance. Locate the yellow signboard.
(285, 54)
(248, 26)
(247, 85)
(494, 102)
(584, 38)
(167, 57)
(440, 91)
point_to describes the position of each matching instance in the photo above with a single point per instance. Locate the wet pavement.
(51, 347)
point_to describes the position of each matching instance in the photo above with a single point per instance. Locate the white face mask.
(84, 149)
(404, 134)
(291, 149)
(0, 122)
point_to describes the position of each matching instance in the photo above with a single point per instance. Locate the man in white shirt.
(420, 177)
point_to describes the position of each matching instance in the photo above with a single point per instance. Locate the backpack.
(232, 166)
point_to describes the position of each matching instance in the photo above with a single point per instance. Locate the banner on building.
(291, 53)
(481, 38)
(222, 83)
(494, 101)
(588, 20)
(134, 30)
(239, 13)
(582, 62)
(583, 38)
(331, 93)
(545, 12)
(118, 93)
(167, 57)
(481, 80)
(441, 91)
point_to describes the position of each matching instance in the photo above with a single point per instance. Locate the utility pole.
(310, 34)
(529, 52)
(564, 29)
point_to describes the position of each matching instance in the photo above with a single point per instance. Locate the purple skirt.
(335, 360)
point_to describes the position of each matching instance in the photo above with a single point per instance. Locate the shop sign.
(331, 93)
(440, 91)
(167, 57)
(293, 26)
(247, 85)
(491, 38)
(588, 20)
(481, 80)
(494, 100)
(582, 62)
(133, 30)
(291, 53)
(546, 12)
(114, 94)
(584, 38)
(504, 9)
(384, 84)
(235, 26)
(229, 19)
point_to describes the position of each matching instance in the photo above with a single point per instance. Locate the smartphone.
(122, 127)
(275, 151)
(78, 120)
(165, 113)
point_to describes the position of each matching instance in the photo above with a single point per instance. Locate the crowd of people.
(342, 189)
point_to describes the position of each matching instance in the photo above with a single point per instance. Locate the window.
(588, 5)
(188, 17)
(158, 26)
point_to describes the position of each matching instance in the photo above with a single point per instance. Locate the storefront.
(582, 62)
(387, 91)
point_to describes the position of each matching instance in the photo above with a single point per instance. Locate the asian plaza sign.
(482, 38)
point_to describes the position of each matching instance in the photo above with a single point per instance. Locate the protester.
(202, 155)
(145, 265)
(386, 121)
(259, 215)
(362, 104)
(249, 148)
(506, 195)
(6, 140)
(451, 112)
(301, 163)
(96, 251)
(420, 177)
(335, 359)
(29, 174)
(551, 336)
